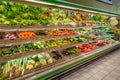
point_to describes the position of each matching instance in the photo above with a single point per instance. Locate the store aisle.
(105, 68)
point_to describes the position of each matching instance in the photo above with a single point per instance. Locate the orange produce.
(26, 34)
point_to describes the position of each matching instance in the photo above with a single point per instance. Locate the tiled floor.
(105, 68)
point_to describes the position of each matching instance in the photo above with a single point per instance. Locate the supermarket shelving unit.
(61, 67)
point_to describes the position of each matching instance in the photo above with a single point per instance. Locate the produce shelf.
(38, 51)
(8, 28)
(36, 22)
(11, 42)
(42, 74)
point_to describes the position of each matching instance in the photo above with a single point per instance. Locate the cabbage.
(43, 61)
(37, 57)
(45, 55)
(40, 56)
(37, 64)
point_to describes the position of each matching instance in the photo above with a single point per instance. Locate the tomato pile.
(85, 47)
(90, 46)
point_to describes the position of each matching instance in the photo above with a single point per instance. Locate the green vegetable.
(3, 3)
(27, 47)
(2, 16)
(40, 44)
(25, 15)
(13, 22)
(79, 40)
(28, 22)
(37, 64)
(43, 61)
(2, 76)
(13, 7)
(73, 50)
(10, 14)
(35, 58)
(45, 55)
(24, 8)
(3, 9)
(2, 20)
(43, 22)
(10, 51)
(10, 4)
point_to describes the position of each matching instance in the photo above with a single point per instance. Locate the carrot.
(26, 34)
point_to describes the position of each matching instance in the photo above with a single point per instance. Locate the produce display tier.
(18, 41)
(71, 6)
(9, 28)
(12, 42)
(38, 51)
(59, 68)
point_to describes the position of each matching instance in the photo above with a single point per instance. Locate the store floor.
(105, 68)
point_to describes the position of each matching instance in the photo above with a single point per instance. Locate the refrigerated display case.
(43, 40)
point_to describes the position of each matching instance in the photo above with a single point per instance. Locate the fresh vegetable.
(10, 15)
(44, 16)
(9, 51)
(56, 55)
(3, 8)
(2, 20)
(80, 40)
(17, 67)
(59, 32)
(26, 34)
(65, 53)
(52, 43)
(27, 47)
(43, 61)
(85, 47)
(2, 76)
(10, 36)
(116, 30)
(2, 16)
(40, 44)
(73, 50)
(50, 60)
